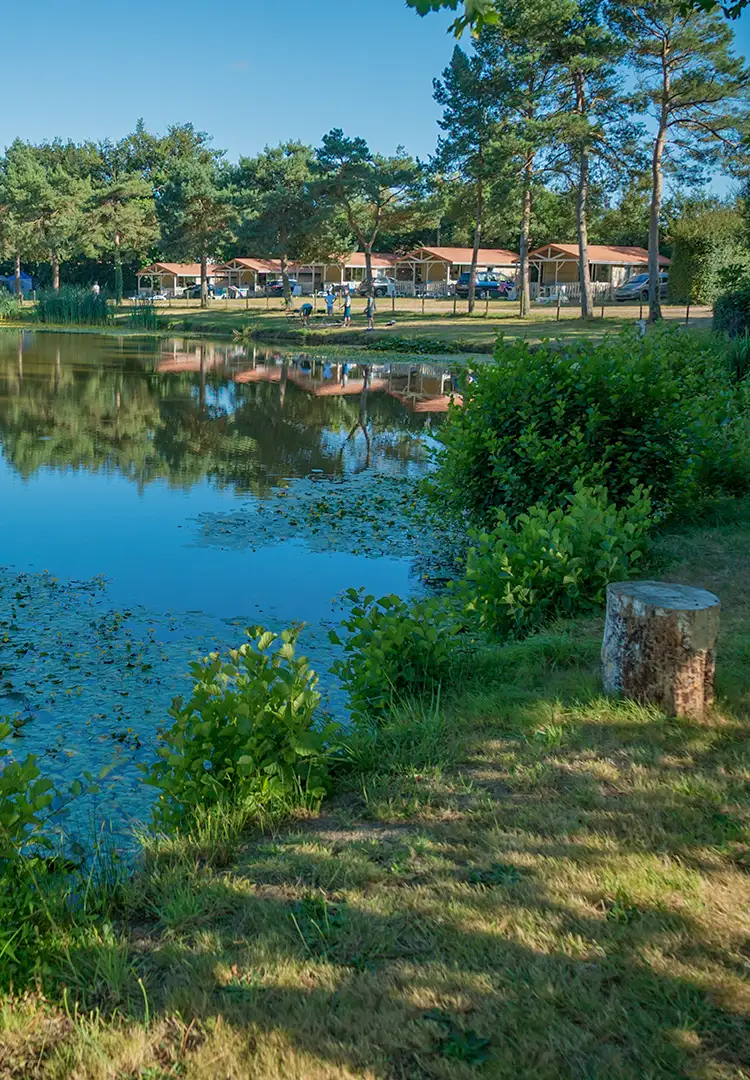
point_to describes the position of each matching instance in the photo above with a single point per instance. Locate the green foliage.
(72, 305)
(248, 735)
(144, 315)
(738, 357)
(620, 412)
(554, 562)
(394, 650)
(707, 245)
(25, 796)
(418, 346)
(732, 310)
(10, 306)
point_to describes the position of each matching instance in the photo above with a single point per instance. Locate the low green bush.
(250, 734)
(738, 357)
(554, 562)
(620, 412)
(732, 311)
(25, 799)
(144, 315)
(394, 650)
(72, 305)
(10, 305)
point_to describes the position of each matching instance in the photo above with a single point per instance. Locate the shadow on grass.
(556, 918)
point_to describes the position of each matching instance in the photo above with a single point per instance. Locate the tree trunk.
(477, 242)
(587, 293)
(204, 281)
(283, 381)
(55, 272)
(660, 645)
(523, 246)
(118, 270)
(657, 184)
(18, 289)
(368, 269)
(287, 288)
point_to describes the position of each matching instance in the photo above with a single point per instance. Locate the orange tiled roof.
(179, 269)
(463, 255)
(603, 253)
(261, 266)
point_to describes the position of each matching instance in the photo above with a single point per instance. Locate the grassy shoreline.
(523, 879)
(437, 324)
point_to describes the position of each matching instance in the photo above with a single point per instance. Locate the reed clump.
(72, 305)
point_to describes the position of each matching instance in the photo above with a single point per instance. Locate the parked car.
(276, 287)
(193, 292)
(381, 286)
(485, 285)
(636, 289)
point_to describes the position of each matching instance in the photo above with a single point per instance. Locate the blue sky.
(252, 73)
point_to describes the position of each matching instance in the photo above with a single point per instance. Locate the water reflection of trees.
(176, 413)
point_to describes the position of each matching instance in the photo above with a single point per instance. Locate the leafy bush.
(10, 306)
(554, 562)
(25, 796)
(394, 650)
(249, 734)
(621, 412)
(144, 315)
(72, 305)
(707, 244)
(738, 357)
(732, 310)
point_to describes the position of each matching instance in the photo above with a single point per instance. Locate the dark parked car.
(636, 290)
(193, 292)
(485, 285)
(276, 287)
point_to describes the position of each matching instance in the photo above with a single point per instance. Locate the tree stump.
(660, 645)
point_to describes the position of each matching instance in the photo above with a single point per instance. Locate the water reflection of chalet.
(421, 388)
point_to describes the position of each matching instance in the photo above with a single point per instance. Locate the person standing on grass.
(95, 289)
(370, 312)
(329, 301)
(347, 308)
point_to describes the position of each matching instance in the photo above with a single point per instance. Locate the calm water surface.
(168, 468)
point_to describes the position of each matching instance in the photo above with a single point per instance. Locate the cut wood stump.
(660, 645)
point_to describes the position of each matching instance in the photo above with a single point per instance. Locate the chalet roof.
(261, 266)
(380, 259)
(179, 269)
(462, 256)
(607, 254)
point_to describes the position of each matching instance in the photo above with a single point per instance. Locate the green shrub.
(621, 412)
(10, 305)
(249, 734)
(72, 305)
(738, 357)
(732, 311)
(554, 562)
(25, 798)
(394, 650)
(707, 244)
(144, 315)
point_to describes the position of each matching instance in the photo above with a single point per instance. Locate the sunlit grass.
(435, 321)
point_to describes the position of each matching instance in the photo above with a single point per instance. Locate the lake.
(156, 497)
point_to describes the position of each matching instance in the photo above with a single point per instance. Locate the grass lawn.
(436, 324)
(526, 881)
